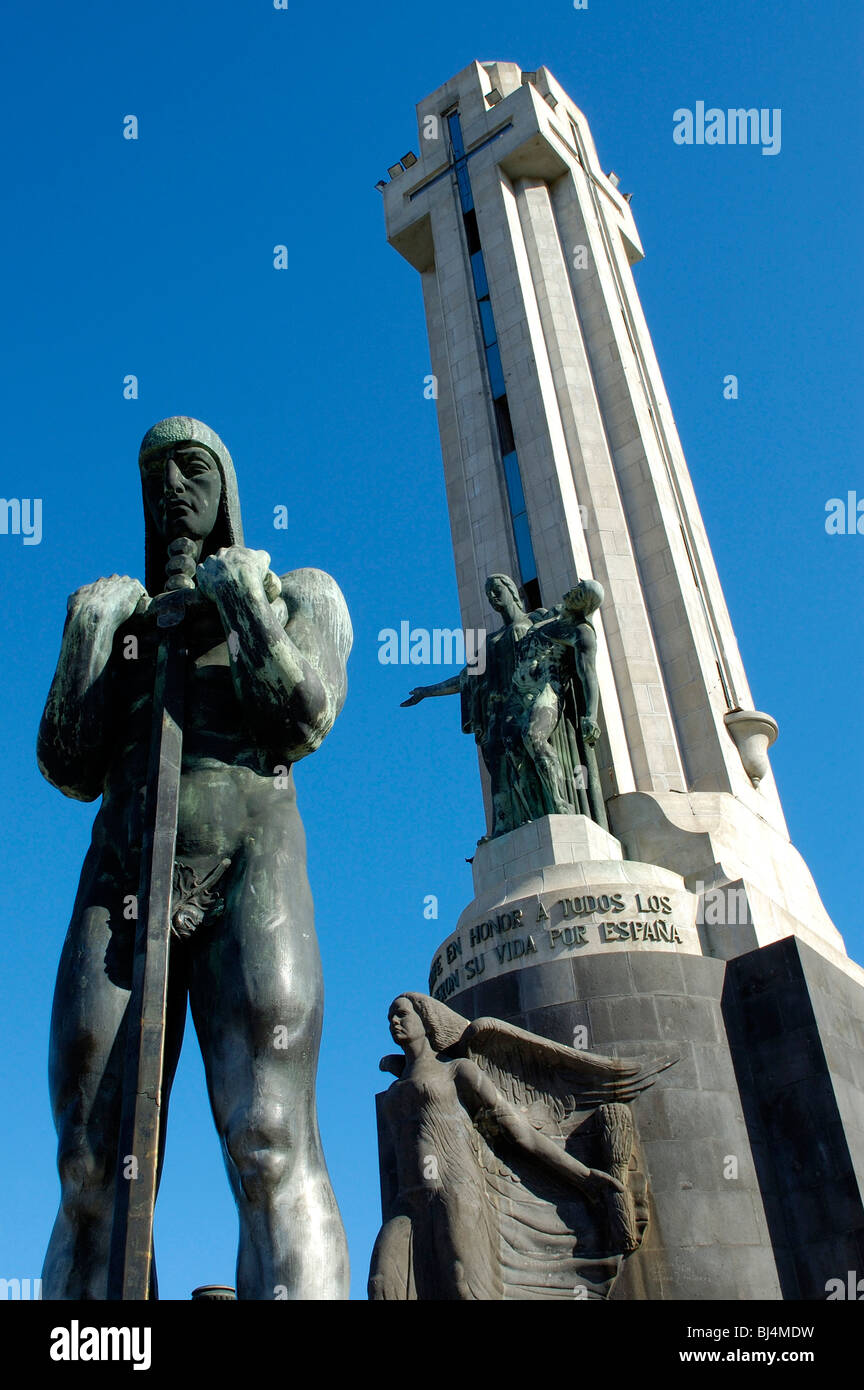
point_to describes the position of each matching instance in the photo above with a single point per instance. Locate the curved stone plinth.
(559, 888)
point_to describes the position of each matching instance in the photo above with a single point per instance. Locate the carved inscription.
(608, 918)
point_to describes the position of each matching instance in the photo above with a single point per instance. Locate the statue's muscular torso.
(230, 785)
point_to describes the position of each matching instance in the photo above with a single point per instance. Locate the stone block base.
(753, 1141)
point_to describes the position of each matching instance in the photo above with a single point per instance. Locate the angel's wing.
(552, 1243)
(394, 1062)
(547, 1078)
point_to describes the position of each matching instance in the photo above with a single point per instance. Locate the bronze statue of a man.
(265, 680)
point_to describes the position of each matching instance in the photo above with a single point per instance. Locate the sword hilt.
(181, 593)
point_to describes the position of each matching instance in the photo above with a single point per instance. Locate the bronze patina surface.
(243, 674)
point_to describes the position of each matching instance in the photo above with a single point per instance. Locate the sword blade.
(131, 1256)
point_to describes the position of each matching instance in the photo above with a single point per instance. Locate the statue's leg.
(595, 791)
(500, 776)
(467, 1261)
(257, 1002)
(541, 725)
(88, 1038)
(389, 1273)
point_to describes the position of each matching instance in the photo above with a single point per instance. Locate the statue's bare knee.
(264, 1155)
(87, 1176)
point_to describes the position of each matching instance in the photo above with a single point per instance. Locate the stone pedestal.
(560, 888)
(753, 1141)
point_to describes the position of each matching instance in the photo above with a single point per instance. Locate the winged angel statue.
(509, 1164)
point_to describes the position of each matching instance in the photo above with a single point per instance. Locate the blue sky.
(260, 127)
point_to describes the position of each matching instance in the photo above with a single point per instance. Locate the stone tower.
(694, 923)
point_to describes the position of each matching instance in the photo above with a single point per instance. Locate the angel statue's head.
(413, 1015)
(504, 596)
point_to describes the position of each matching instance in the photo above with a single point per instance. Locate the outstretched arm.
(479, 1093)
(73, 744)
(451, 686)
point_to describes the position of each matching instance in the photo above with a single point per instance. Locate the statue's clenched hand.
(599, 1184)
(235, 567)
(590, 731)
(108, 601)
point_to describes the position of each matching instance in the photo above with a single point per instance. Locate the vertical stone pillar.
(602, 475)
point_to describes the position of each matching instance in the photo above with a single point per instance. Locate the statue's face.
(405, 1022)
(182, 488)
(575, 599)
(498, 594)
